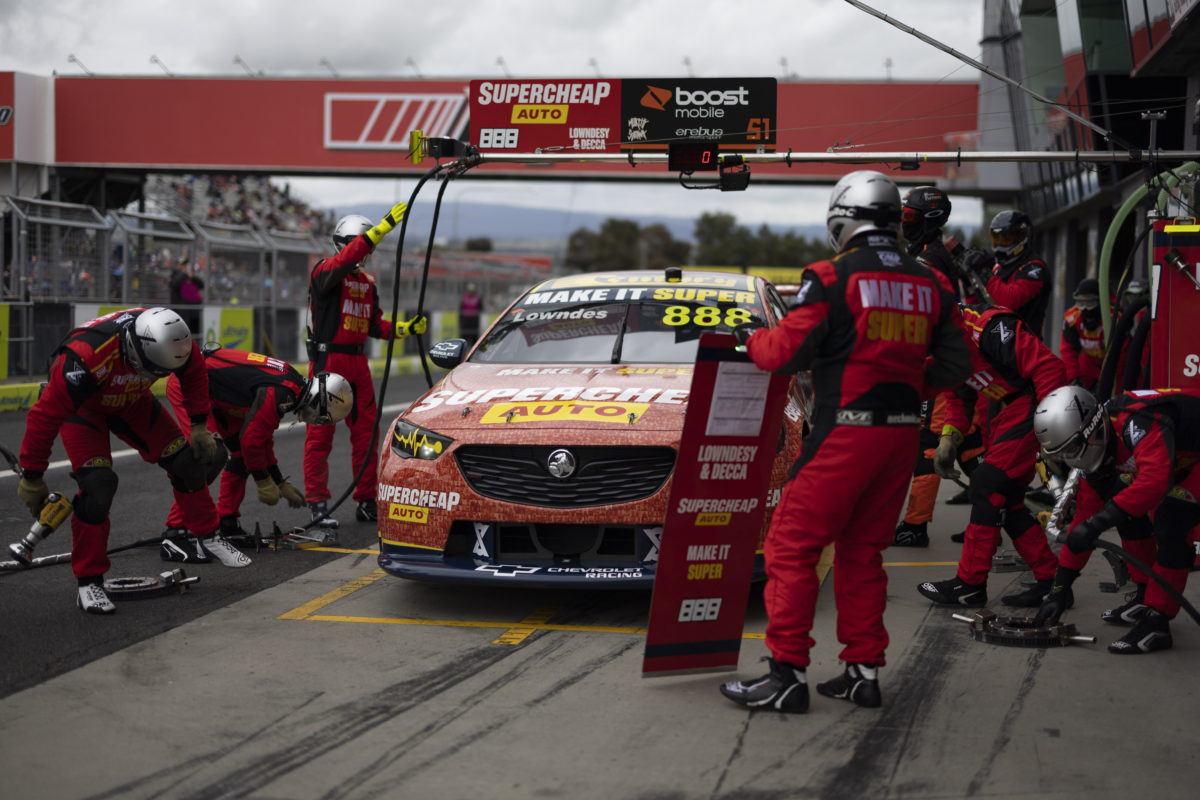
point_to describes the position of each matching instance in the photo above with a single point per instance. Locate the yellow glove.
(945, 456)
(33, 494)
(390, 220)
(268, 492)
(203, 443)
(415, 325)
(291, 494)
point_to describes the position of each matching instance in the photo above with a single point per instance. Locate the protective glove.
(945, 456)
(415, 325)
(1052, 607)
(291, 494)
(268, 491)
(203, 443)
(744, 331)
(1083, 537)
(390, 220)
(979, 262)
(33, 493)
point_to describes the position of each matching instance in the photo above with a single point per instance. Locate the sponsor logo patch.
(570, 410)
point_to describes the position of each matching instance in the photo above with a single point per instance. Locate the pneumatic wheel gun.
(55, 512)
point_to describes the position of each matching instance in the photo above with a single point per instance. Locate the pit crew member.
(1020, 280)
(1082, 344)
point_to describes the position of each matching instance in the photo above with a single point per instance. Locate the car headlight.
(410, 441)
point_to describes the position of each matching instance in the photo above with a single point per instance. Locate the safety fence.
(241, 284)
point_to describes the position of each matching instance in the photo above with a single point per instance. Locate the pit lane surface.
(310, 674)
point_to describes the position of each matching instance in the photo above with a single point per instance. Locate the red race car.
(544, 458)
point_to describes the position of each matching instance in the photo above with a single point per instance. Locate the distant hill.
(513, 224)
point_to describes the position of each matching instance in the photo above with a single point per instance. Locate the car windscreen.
(645, 331)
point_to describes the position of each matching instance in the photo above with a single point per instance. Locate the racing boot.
(784, 688)
(958, 538)
(1033, 596)
(1131, 610)
(320, 512)
(1151, 632)
(955, 593)
(223, 551)
(859, 684)
(178, 545)
(960, 499)
(366, 511)
(92, 598)
(231, 529)
(910, 534)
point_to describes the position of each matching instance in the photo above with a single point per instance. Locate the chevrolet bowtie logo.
(656, 98)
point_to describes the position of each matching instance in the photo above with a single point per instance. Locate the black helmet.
(1087, 294)
(1010, 232)
(925, 212)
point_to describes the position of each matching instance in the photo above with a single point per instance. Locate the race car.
(544, 457)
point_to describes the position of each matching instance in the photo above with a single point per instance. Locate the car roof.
(650, 277)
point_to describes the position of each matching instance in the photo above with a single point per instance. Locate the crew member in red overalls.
(1020, 280)
(1013, 369)
(344, 304)
(1138, 453)
(99, 384)
(250, 394)
(1082, 345)
(876, 329)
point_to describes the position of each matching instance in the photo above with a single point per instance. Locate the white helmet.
(864, 200)
(349, 228)
(325, 400)
(1071, 425)
(158, 342)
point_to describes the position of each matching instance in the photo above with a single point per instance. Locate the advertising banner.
(738, 113)
(7, 105)
(236, 328)
(548, 115)
(715, 512)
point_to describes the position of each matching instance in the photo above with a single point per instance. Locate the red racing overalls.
(1013, 369)
(1024, 288)
(1149, 471)
(92, 392)
(1082, 346)
(345, 310)
(250, 393)
(866, 324)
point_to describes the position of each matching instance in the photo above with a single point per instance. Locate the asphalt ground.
(311, 674)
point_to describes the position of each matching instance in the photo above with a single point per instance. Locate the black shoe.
(955, 593)
(1129, 612)
(178, 545)
(784, 688)
(1151, 632)
(960, 499)
(959, 537)
(859, 684)
(910, 535)
(231, 529)
(366, 511)
(319, 512)
(1033, 596)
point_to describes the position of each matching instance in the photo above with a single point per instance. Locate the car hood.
(499, 399)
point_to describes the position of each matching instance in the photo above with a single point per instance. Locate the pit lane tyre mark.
(1003, 737)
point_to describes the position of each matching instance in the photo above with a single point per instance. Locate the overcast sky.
(813, 39)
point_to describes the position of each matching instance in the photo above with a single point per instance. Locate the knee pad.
(1173, 522)
(97, 487)
(989, 493)
(236, 465)
(213, 468)
(187, 472)
(1132, 530)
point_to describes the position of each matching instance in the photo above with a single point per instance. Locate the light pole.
(157, 60)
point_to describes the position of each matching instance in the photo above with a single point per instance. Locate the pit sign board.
(1175, 304)
(597, 116)
(715, 512)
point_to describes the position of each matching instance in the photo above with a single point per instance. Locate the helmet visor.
(1007, 237)
(1088, 302)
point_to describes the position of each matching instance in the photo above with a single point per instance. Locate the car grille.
(602, 476)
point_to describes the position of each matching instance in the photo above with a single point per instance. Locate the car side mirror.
(449, 353)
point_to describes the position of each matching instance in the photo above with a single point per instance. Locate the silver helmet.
(158, 342)
(864, 200)
(349, 228)
(1071, 425)
(325, 400)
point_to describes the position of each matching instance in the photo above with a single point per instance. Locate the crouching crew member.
(99, 384)
(250, 395)
(1137, 452)
(345, 311)
(1013, 369)
(875, 327)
